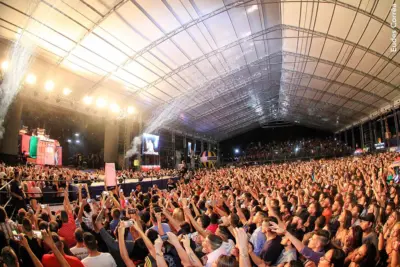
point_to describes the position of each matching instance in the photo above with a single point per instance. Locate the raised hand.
(173, 239)
(158, 216)
(47, 238)
(158, 243)
(276, 228)
(184, 202)
(137, 226)
(241, 239)
(23, 241)
(121, 229)
(186, 241)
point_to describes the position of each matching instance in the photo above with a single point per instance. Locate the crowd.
(291, 149)
(338, 212)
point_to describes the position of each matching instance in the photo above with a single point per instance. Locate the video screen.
(191, 148)
(150, 144)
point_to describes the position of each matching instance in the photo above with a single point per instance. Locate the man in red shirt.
(213, 223)
(327, 212)
(50, 260)
(67, 230)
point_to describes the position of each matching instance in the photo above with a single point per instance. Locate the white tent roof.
(216, 67)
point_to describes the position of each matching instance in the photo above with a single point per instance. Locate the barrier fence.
(56, 197)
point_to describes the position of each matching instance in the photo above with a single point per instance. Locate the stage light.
(67, 91)
(115, 108)
(101, 102)
(87, 100)
(252, 8)
(131, 110)
(77, 134)
(69, 140)
(236, 150)
(31, 79)
(49, 85)
(77, 141)
(4, 65)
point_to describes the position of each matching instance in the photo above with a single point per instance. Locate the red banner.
(25, 143)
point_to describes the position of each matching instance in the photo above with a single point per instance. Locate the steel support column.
(371, 136)
(396, 125)
(353, 140)
(362, 136)
(345, 137)
(382, 131)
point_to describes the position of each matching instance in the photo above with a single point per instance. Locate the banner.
(58, 156)
(26, 139)
(49, 154)
(33, 146)
(111, 177)
(40, 153)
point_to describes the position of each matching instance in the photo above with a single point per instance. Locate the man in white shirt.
(80, 251)
(96, 258)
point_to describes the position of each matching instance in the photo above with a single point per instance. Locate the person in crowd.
(96, 258)
(6, 225)
(272, 247)
(67, 229)
(363, 256)
(344, 228)
(79, 250)
(52, 260)
(17, 194)
(331, 212)
(34, 241)
(369, 235)
(258, 237)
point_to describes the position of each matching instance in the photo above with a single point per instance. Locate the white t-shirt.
(213, 256)
(103, 260)
(80, 253)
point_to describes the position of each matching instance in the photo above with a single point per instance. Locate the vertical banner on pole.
(111, 177)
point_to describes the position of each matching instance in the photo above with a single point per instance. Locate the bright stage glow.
(4, 65)
(87, 100)
(100, 102)
(252, 8)
(77, 134)
(67, 91)
(131, 110)
(69, 140)
(49, 85)
(77, 141)
(31, 79)
(115, 108)
(236, 150)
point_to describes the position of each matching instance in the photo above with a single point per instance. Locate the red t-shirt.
(67, 231)
(212, 228)
(327, 213)
(50, 260)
